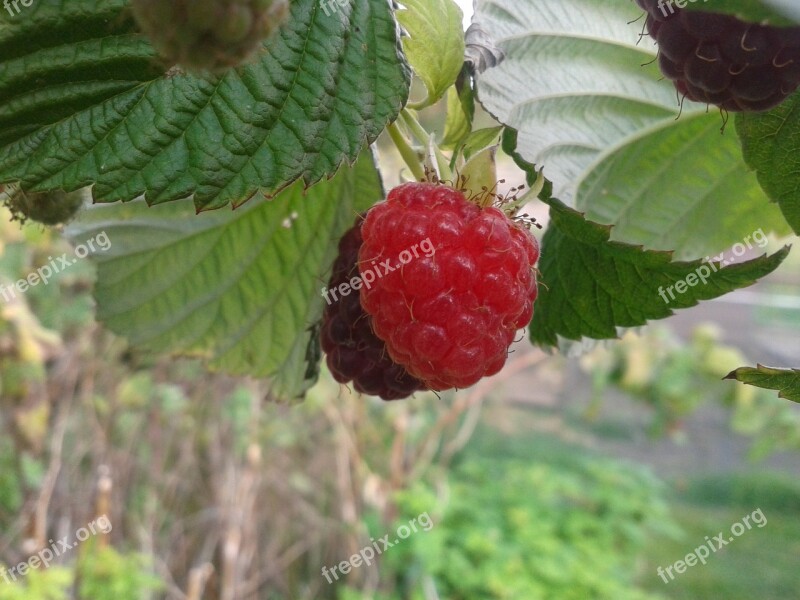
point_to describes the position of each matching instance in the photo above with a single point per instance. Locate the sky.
(466, 6)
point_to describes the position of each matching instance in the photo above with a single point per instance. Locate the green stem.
(421, 105)
(414, 126)
(410, 121)
(406, 151)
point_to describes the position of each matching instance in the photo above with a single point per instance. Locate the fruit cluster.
(209, 35)
(353, 352)
(719, 59)
(446, 317)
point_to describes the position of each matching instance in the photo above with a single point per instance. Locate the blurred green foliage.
(530, 529)
(39, 584)
(674, 379)
(105, 574)
(102, 573)
(761, 564)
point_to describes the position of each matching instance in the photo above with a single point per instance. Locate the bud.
(47, 208)
(209, 35)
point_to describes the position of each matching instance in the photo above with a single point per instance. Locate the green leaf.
(240, 288)
(480, 140)
(82, 101)
(479, 174)
(435, 46)
(756, 11)
(699, 195)
(771, 145)
(607, 129)
(458, 124)
(460, 115)
(786, 381)
(590, 285)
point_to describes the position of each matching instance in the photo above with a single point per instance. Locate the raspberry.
(447, 283)
(719, 59)
(47, 208)
(209, 35)
(353, 351)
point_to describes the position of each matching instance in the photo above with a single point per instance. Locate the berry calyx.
(719, 59)
(446, 282)
(47, 208)
(353, 352)
(209, 35)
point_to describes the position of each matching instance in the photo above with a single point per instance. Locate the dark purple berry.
(719, 59)
(353, 352)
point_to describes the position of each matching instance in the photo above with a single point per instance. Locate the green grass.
(769, 491)
(761, 563)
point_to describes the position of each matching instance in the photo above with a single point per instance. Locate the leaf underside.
(580, 85)
(239, 288)
(591, 286)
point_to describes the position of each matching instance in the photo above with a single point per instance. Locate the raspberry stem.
(414, 126)
(406, 151)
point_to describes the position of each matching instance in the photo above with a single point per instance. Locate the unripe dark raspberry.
(719, 59)
(353, 352)
(209, 35)
(47, 208)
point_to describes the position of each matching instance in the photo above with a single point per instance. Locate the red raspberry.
(447, 283)
(719, 59)
(353, 351)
